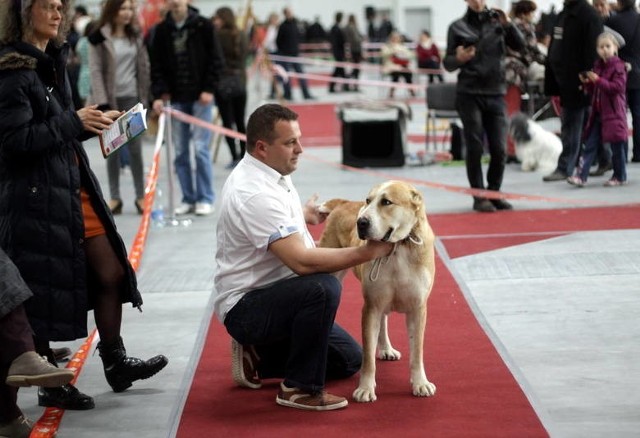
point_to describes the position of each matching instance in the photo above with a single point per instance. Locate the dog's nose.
(363, 226)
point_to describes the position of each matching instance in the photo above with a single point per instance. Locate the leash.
(377, 263)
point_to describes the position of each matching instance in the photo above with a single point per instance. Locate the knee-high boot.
(121, 371)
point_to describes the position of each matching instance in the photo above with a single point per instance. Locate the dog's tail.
(330, 205)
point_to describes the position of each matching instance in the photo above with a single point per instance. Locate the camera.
(467, 40)
(492, 14)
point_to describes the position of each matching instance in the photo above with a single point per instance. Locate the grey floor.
(563, 311)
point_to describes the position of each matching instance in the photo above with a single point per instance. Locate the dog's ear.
(417, 200)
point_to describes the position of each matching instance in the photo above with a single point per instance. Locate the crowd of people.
(273, 293)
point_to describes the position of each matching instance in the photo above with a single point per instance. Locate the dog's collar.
(412, 238)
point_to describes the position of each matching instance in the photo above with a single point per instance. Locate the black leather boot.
(65, 397)
(121, 371)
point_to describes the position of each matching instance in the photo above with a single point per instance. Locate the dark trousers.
(434, 65)
(356, 58)
(232, 113)
(291, 324)
(16, 338)
(286, 86)
(633, 102)
(483, 116)
(338, 72)
(572, 121)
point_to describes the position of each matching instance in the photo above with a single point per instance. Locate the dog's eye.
(385, 202)
(367, 201)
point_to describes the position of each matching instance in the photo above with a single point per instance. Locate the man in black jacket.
(627, 23)
(572, 50)
(288, 42)
(476, 46)
(336, 37)
(186, 62)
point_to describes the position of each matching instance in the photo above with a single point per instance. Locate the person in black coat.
(572, 50)
(337, 39)
(54, 222)
(627, 23)
(476, 45)
(288, 43)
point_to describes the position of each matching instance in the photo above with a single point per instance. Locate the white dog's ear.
(417, 200)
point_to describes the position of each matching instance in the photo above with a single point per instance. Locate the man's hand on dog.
(312, 214)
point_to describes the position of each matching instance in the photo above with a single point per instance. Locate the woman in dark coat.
(232, 103)
(54, 222)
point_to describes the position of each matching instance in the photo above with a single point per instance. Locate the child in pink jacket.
(608, 119)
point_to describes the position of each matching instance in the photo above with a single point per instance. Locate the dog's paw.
(389, 354)
(364, 394)
(424, 389)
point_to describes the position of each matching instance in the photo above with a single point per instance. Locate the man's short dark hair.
(623, 5)
(262, 122)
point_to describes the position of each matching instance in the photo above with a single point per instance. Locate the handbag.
(229, 86)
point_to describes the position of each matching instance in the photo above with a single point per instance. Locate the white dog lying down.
(536, 148)
(394, 212)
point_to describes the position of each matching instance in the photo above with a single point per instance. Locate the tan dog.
(394, 211)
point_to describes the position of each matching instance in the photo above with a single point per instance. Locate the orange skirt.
(92, 225)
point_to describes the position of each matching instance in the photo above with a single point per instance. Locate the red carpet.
(483, 232)
(476, 397)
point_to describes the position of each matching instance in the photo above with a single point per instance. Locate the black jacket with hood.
(42, 169)
(484, 74)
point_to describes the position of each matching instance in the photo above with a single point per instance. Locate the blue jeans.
(590, 151)
(633, 102)
(291, 324)
(619, 160)
(182, 134)
(572, 120)
(484, 115)
(286, 86)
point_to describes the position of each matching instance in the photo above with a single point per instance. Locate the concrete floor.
(567, 325)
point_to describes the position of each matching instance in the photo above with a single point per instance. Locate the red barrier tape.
(48, 424)
(489, 194)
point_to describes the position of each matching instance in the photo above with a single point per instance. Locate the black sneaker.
(556, 175)
(483, 205)
(65, 397)
(601, 170)
(501, 204)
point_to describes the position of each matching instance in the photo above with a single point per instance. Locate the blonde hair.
(611, 37)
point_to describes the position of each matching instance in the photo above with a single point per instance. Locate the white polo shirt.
(257, 206)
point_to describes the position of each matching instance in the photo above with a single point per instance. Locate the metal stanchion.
(170, 219)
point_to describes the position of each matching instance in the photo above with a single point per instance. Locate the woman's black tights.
(107, 276)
